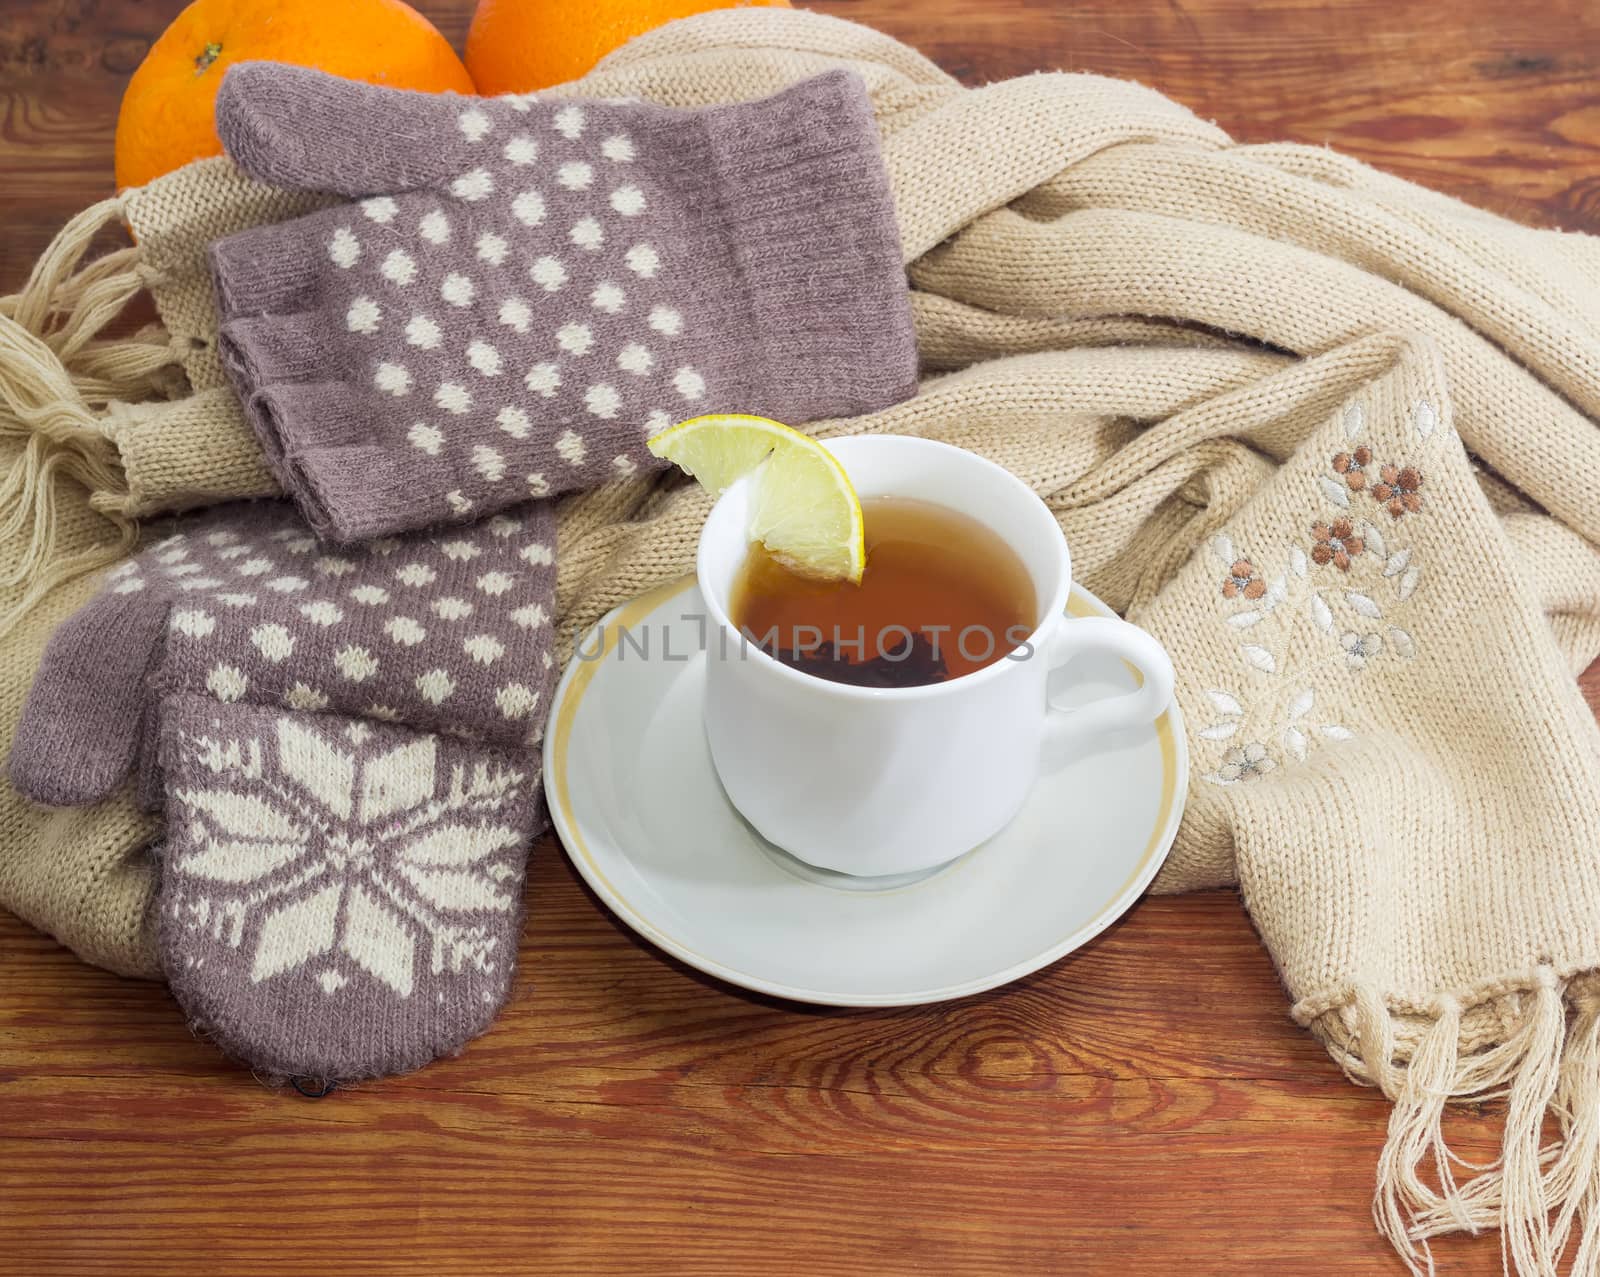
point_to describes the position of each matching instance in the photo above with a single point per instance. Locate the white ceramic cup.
(876, 781)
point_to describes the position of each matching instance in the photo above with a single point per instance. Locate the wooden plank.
(1144, 1107)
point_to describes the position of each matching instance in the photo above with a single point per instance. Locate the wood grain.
(1143, 1107)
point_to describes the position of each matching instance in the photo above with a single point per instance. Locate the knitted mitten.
(346, 748)
(533, 286)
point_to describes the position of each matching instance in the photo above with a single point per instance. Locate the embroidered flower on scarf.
(355, 857)
(1353, 466)
(1294, 725)
(1242, 582)
(1359, 647)
(1337, 543)
(1351, 620)
(1245, 763)
(1399, 489)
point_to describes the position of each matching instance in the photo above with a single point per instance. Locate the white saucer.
(638, 806)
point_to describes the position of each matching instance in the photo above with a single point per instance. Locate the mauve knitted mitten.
(346, 745)
(532, 286)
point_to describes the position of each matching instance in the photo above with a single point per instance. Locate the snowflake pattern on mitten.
(345, 743)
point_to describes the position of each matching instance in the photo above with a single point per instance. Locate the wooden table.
(1143, 1107)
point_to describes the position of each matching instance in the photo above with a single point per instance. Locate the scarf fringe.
(1536, 1045)
(57, 373)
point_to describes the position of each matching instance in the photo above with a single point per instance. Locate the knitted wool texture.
(338, 897)
(1390, 756)
(80, 873)
(532, 286)
(446, 632)
(376, 929)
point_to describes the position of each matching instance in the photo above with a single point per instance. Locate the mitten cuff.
(438, 354)
(315, 430)
(811, 253)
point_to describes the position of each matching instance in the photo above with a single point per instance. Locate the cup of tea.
(893, 725)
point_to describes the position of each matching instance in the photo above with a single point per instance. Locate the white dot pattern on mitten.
(514, 422)
(453, 398)
(489, 463)
(569, 122)
(227, 683)
(474, 186)
(587, 234)
(590, 264)
(628, 200)
(423, 332)
(548, 273)
(363, 315)
(516, 701)
(690, 384)
(344, 248)
(398, 267)
(528, 208)
(444, 629)
(571, 448)
(484, 648)
(392, 379)
(545, 379)
(303, 697)
(435, 228)
(575, 175)
(457, 289)
(642, 259)
(515, 313)
(492, 248)
(484, 358)
(602, 400)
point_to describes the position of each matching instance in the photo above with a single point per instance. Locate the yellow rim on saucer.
(569, 699)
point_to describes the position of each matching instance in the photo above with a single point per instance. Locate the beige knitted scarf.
(1331, 437)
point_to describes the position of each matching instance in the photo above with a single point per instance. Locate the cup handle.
(1077, 635)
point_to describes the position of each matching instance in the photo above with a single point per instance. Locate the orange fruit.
(518, 45)
(166, 117)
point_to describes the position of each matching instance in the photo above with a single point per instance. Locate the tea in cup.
(893, 725)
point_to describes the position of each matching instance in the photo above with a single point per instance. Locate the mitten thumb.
(81, 724)
(305, 130)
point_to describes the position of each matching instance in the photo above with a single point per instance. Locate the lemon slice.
(803, 508)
